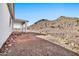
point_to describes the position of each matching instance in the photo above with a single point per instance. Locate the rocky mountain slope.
(60, 22)
(63, 31)
(41, 24)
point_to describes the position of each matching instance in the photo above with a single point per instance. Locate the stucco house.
(20, 25)
(6, 21)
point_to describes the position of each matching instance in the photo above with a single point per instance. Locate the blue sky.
(36, 11)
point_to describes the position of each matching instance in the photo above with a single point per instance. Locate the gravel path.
(27, 44)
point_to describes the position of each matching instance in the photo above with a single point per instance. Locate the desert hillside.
(60, 22)
(41, 24)
(63, 31)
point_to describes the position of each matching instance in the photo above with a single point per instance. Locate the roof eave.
(11, 11)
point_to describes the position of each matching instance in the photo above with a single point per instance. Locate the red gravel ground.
(27, 44)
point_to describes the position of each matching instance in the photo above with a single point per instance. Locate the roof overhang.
(11, 9)
(20, 21)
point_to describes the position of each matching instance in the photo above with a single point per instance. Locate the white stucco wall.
(17, 25)
(20, 26)
(5, 28)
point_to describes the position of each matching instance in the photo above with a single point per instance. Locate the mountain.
(43, 23)
(59, 22)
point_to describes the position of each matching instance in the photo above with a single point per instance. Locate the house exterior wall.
(5, 25)
(17, 26)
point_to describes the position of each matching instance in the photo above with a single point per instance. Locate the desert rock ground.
(28, 44)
